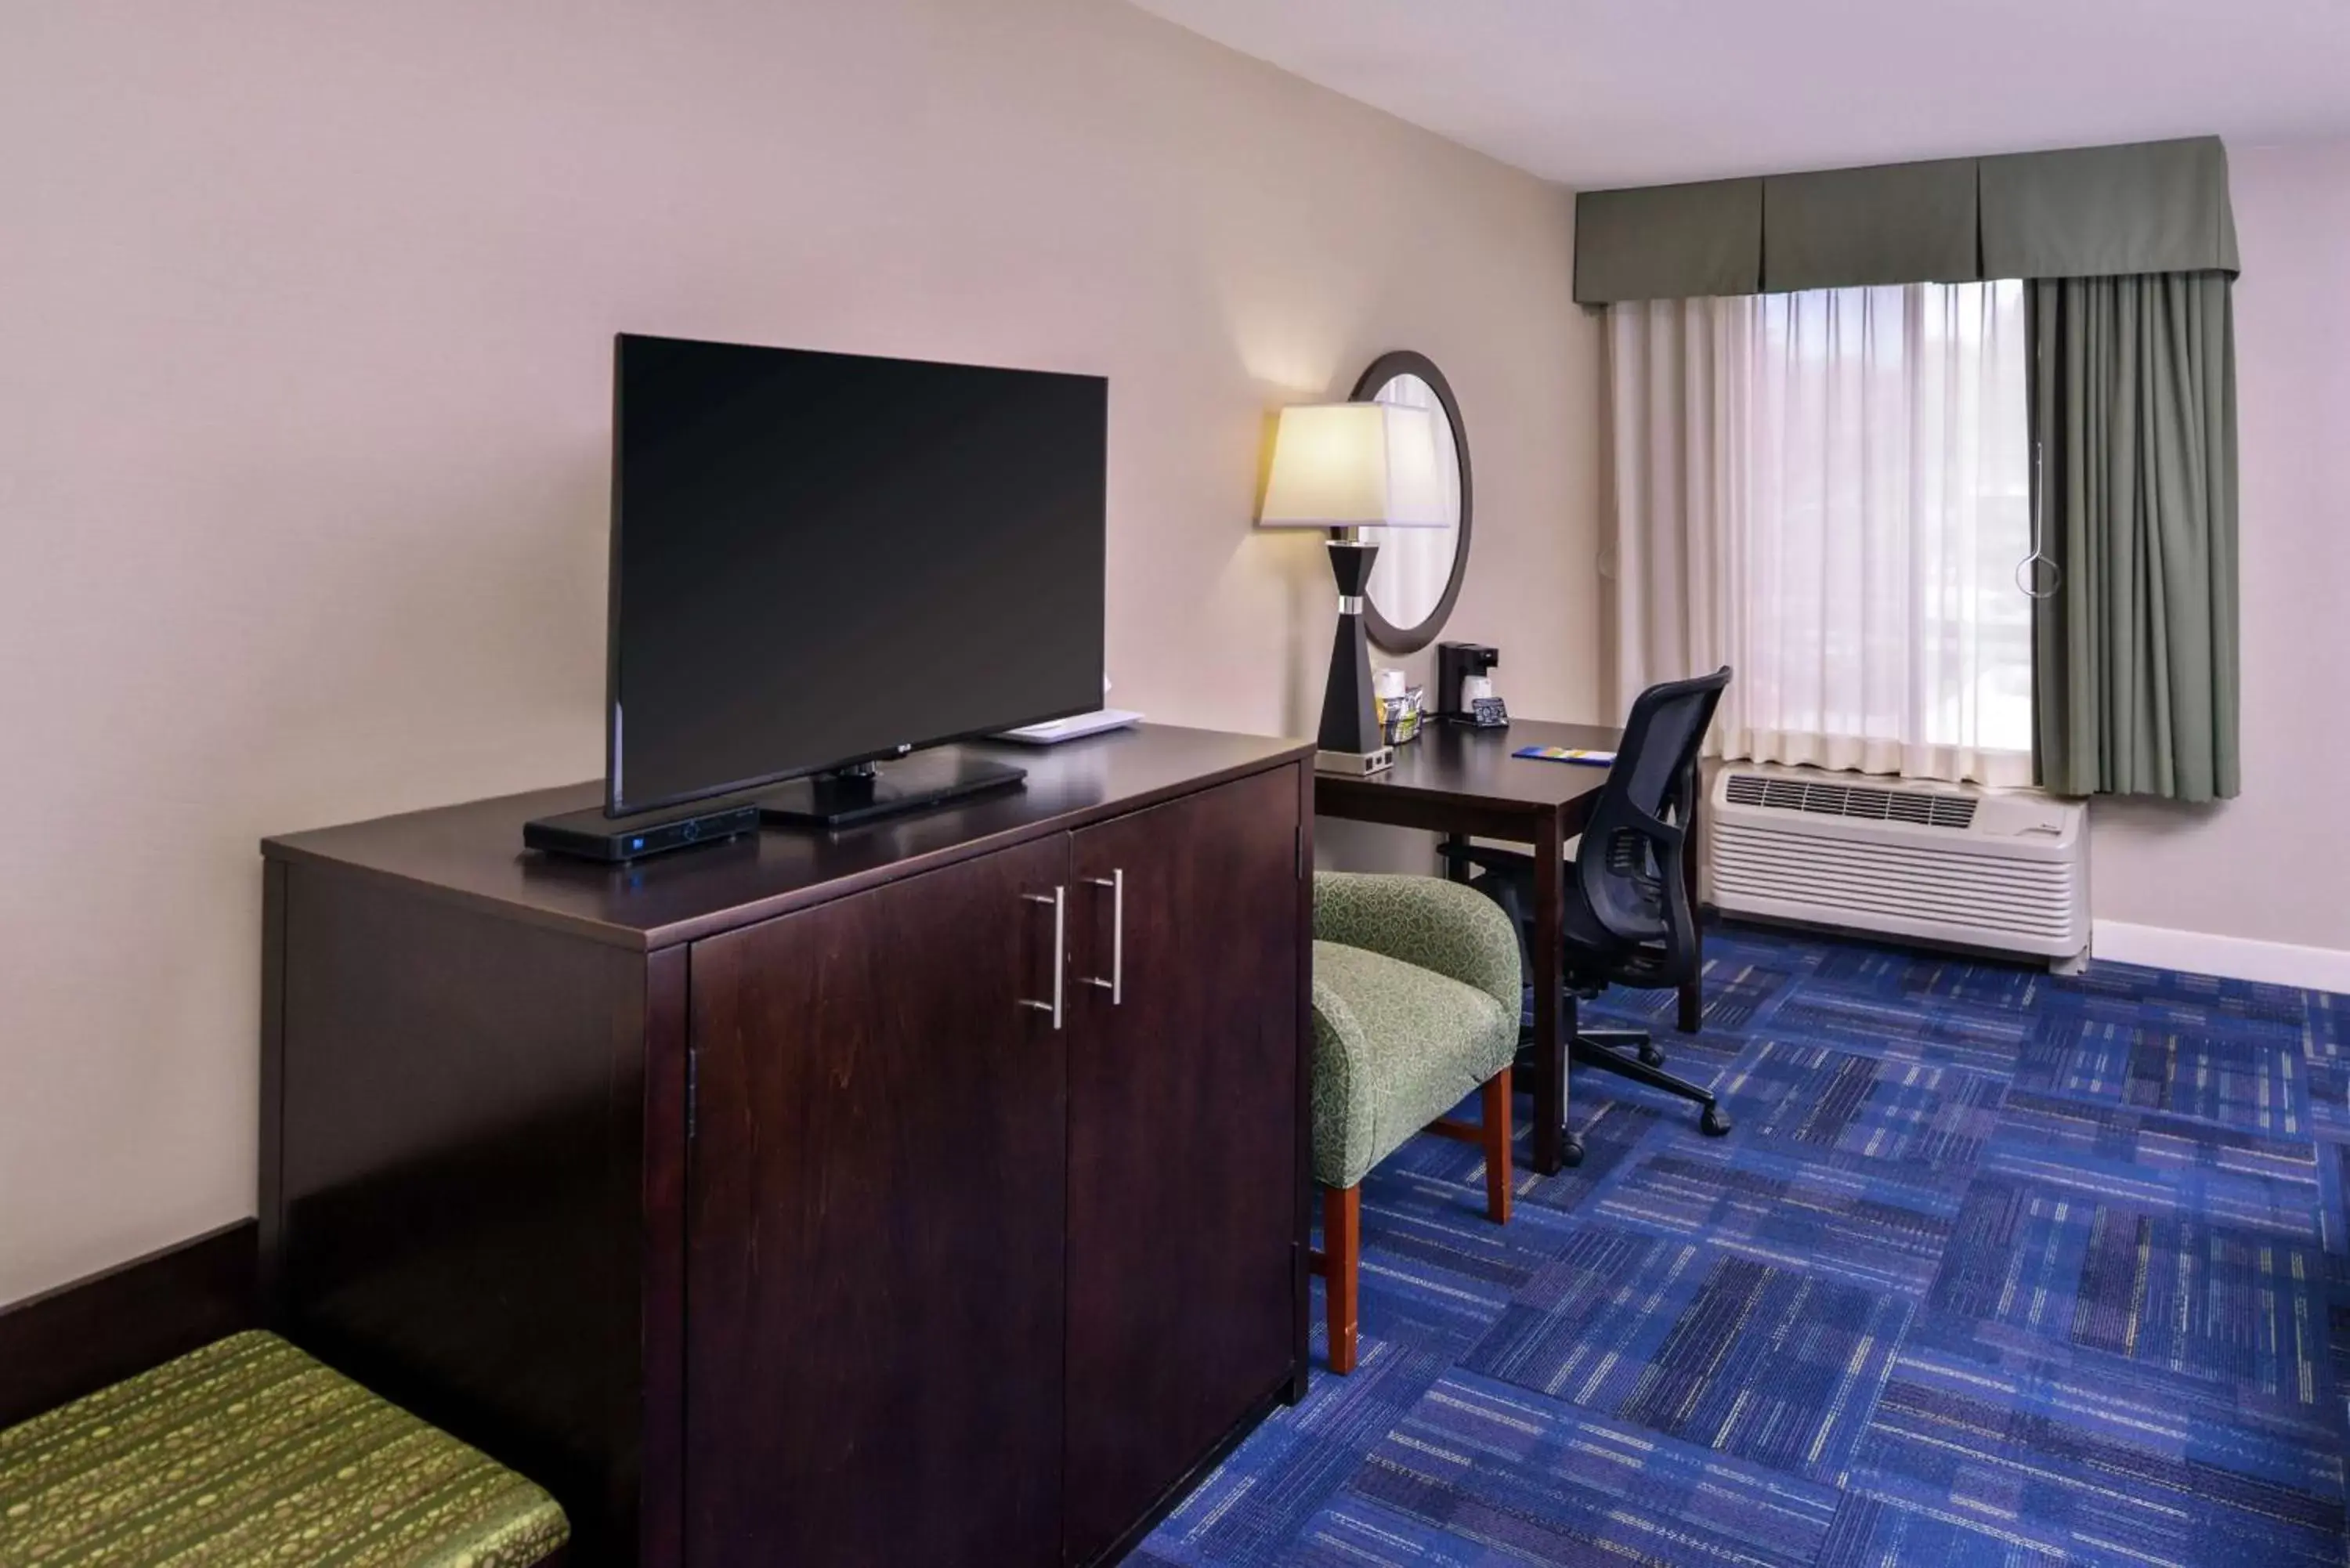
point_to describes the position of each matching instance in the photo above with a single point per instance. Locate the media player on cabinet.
(739, 1200)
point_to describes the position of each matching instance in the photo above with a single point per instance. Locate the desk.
(1463, 782)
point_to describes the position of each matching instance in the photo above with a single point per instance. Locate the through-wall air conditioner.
(2005, 871)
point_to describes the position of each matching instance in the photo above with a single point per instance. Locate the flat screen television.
(820, 560)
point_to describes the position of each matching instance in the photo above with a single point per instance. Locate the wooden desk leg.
(1455, 870)
(1555, 1145)
(1693, 988)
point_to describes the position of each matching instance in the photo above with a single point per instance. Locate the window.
(1890, 503)
(1852, 500)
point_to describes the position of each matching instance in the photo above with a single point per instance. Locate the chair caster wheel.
(1713, 1124)
(1652, 1053)
(1570, 1151)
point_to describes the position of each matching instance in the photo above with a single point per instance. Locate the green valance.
(1668, 242)
(2092, 212)
(1844, 228)
(2108, 211)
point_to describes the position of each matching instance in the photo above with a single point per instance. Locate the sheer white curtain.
(1830, 492)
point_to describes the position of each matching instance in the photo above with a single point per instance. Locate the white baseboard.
(2233, 958)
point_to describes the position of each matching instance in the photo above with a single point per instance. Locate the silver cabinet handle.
(1115, 983)
(1060, 902)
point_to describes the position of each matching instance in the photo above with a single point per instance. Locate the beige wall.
(305, 333)
(2273, 865)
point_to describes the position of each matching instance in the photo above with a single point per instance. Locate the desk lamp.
(1348, 467)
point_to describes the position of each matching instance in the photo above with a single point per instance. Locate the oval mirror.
(1418, 572)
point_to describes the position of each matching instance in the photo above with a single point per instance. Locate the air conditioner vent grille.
(1901, 859)
(1922, 807)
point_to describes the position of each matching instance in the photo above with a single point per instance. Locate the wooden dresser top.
(473, 852)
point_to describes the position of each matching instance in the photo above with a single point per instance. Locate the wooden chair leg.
(1491, 1134)
(1338, 1263)
(1494, 1108)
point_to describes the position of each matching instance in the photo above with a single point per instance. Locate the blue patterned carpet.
(1996, 1268)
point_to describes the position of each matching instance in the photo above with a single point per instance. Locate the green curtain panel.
(2134, 407)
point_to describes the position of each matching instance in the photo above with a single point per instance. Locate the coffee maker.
(1457, 662)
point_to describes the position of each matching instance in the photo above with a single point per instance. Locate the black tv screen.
(820, 559)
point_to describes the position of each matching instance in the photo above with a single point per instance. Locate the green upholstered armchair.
(1416, 994)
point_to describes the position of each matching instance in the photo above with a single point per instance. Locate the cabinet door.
(874, 1285)
(1184, 1159)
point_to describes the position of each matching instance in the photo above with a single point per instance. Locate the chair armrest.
(1424, 920)
(1345, 1108)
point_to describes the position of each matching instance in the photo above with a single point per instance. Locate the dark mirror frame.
(1383, 370)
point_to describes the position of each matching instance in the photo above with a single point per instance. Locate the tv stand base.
(847, 797)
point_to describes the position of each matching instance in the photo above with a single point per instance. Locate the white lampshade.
(1354, 465)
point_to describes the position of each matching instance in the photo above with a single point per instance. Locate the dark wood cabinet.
(760, 1201)
(875, 1266)
(1183, 1115)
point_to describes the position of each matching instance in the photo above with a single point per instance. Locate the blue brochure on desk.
(1566, 754)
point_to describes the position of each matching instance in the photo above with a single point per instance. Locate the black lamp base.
(1350, 741)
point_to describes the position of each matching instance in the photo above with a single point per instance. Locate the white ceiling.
(1594, 93)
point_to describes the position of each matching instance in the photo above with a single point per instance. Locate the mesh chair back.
(1632, 864)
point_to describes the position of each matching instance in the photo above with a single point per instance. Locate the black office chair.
(1627, 920)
